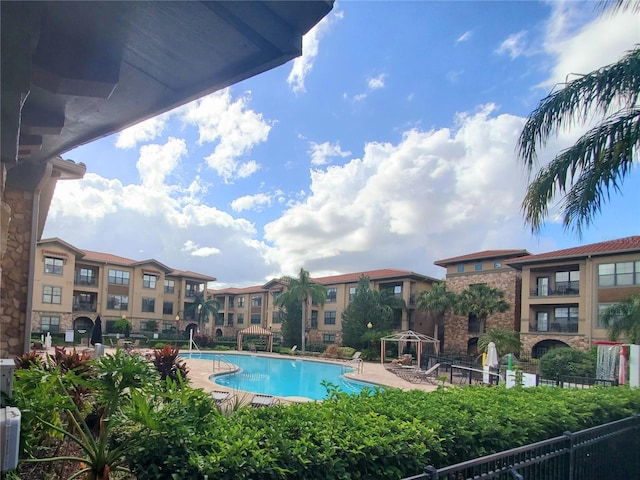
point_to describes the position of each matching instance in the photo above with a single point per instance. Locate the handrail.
(222, 359)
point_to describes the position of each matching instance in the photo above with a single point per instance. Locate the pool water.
(283, 377)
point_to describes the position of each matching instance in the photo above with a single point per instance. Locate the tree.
(585, 173)
(480, 300)
(302, 289)
(506, 341)
(438, 300)
(203, 308)
(290, 314)
(623, 318)
(368, 306)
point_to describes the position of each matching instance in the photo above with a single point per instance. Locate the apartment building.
(564, 292)
(72, 287)
(243, 307)
(490, 267)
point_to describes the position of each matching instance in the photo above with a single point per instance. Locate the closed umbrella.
(127, 331)
(96, 333)
(492, 356)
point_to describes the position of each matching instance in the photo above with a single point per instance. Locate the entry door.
(542, 322)
(543, 286)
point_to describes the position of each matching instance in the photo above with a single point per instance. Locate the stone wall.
(457, 336)
(15, 272)
(530, 340)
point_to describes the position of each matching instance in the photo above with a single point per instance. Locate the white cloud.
(251, 202)
(233, 127)
(608, 37)
(322, 152)
(375, 83)
(303, 65)
(464, 37)
(143, 132)
(407, 204)
(513, 45)
(195, 250)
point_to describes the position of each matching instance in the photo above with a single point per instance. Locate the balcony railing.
(555, 327)
(84, 307)
(558, 290)
(90, 282)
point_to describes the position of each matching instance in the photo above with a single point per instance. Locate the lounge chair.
(260, 400)
(220, 397)
(419, 376)
(293, 349)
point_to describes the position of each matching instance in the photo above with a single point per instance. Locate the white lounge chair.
(260, 400)
(220, 396)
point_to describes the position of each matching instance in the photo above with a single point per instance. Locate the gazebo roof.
(409, 336)
(255, 330)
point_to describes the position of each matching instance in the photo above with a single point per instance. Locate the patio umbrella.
(96, 333)
(127, 331)
(492, 356)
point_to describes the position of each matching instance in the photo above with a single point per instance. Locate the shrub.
(567, 362)
(221, 348)
(315, 347)
(332, 351)
(169, 365)
(346, 352)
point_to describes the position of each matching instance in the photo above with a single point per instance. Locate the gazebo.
(256, 330)
(408, 336)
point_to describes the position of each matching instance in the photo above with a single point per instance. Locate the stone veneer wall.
(456, 336)
(530, 340)
(15, 272)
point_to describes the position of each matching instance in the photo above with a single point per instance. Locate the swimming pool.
(283, 377)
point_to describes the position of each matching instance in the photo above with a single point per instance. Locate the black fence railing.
(605, 451)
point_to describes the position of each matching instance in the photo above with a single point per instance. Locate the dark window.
(240, 302)
(329, 318)
(329, 338)
(231, 302)
(118, 302)
(256, 301)
(169, 286)
(219, 319)
(85, 276)
(167, 308)
(240, 320)
(53, 265)
(50, 324)
(332, 295)
(148, 304)
(149, 281)
(230, 320)
(51, 294)
(314, 319)
(276, 318)
(255, 319)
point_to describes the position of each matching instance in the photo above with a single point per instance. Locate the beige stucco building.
(243, 307)
(72, 287)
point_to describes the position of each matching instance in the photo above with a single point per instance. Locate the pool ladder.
(222, 364)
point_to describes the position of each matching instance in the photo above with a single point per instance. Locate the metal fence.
(605, 451)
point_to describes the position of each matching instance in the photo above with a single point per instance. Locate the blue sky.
(389, 144)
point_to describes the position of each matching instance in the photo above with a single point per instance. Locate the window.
(352, 293)
(329, 318)
(50, 324)
(332, 295)
(460, 268)
(168, 327)
(329, 338)
(167, 308)
(497, 265)
(192, 290)
(276, 318)
(149, 281)
(314, 318)
(397, 290)
(53, 265)
(623, 273)
(240, 320)
(567, 281)
(276, 294)
(240, 302)
(219, 319)
(169, 286)
(148, 304)
(542, 322)
(118, 277)
(231, 302)
(478, 266)
(602, 307)
(118, 302)
(230, 320)
(255, 319)
(566, 319)
(85, 276)
(51, 294)
(256, 301)
(84, 302)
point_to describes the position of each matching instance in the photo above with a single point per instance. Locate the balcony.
(84, 307)
(560, 290)
(570, 326)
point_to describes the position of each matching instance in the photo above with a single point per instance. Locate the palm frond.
(590, 94)
(585, 173)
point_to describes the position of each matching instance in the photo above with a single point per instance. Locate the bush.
(346, 352)
(567, 362)
(315, 347)
(332, 351)
(221, 348)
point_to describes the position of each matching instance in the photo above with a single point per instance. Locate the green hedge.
(390, 434)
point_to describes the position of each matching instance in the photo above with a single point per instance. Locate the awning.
(256, 330)
(408, 336)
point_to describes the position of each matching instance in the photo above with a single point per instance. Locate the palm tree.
(203, 308)
(506, 341)
(624, 319)
(302, 289)
(437, 300)
(585, 173)
(480, 300)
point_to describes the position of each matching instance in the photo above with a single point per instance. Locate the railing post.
(431, 472)
(572, 456)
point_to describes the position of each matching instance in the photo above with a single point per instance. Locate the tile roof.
(620, 245)
(483, 255)
(237, 291)
(106, 258)
(372, 274)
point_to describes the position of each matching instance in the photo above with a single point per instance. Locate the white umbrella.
(47, 341)
(492, 356)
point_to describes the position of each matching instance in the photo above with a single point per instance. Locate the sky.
(390, 143)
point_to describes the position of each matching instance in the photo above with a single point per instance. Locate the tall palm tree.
(585, 174)
(203, 308)
(506, 341)
(624, 319)
(437, 300)
(302, 289)
(480, 300)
